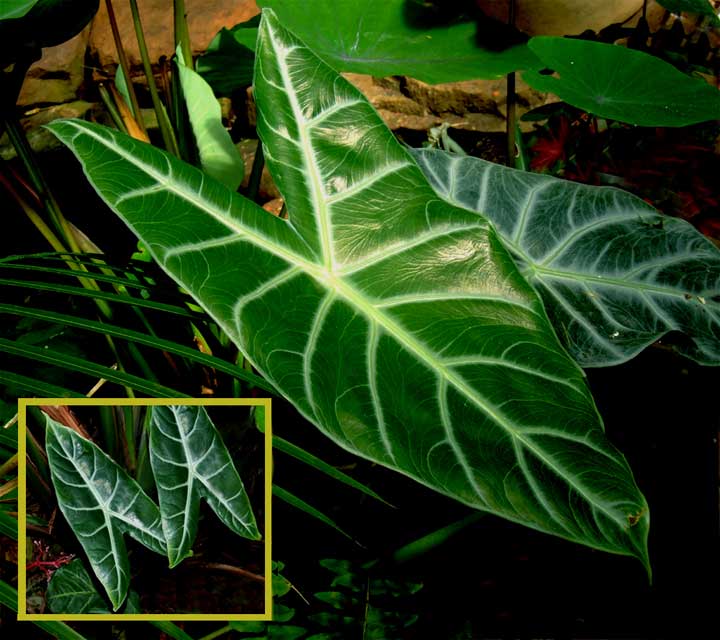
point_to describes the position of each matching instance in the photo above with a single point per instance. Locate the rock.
(205, 19)
(474, 105)
(562, 17)
(57, 76)
(41, 139)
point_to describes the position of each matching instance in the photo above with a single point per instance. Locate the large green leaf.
(615, 275)
(622, 84)
(101, 502)
(218, 155)
(381, 38)
(190, 461)
(394, 321)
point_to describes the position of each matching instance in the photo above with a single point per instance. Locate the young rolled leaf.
(101, 502)
(615, 275)
(393, 320)
(219, 157)
(622, 84)
(190, 461)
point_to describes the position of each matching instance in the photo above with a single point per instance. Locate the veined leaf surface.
(101, 502)
(393, 320)
(615, 274)
(190, 461)
(71, 590)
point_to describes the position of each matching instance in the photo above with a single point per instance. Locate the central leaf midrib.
(538, 271)
(315, 186)
(423, 354)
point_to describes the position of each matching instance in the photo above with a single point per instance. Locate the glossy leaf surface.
(622, 84)
(394, 321)
(384, 38)
(190, 461)
(219, 157)
(615, 275)
(101, 502)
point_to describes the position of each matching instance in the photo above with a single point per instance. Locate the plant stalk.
(182, 35)
(510, 101)
(125, 66)
(166, 131)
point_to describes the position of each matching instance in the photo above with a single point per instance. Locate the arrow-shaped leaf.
(101, 502)
(615, 274)
(190, 461)
(394, 321)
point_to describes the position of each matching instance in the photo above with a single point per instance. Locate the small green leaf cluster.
(102, 502)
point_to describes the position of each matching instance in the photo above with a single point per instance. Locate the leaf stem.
(168, 135)
(125, 66)
(182, 35)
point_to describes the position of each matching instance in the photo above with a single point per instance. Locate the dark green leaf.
(622, 84)
(101, 502)
(59, 630)
(394, 321)
(190, 461)
(47, 24)
(615, 275)
(71, 590)
(228, 63)
(378, 37)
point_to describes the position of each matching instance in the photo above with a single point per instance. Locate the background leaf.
(615, 275)
(47, 24)
(700, 7)
(393, 320)
(190, 461)
(622, 84)
(101, 502)
(380, 37)
(228, 63)
(219, 157)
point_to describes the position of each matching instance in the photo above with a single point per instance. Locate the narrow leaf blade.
(101, 502)
(190, 461)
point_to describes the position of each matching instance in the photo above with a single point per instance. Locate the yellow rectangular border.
(24, 403)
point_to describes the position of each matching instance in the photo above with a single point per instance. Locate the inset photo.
(144, 509)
